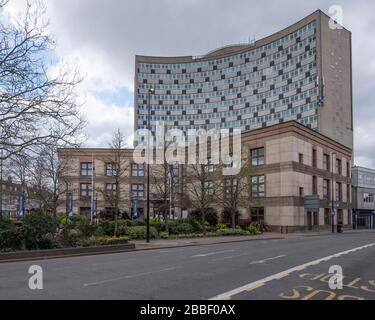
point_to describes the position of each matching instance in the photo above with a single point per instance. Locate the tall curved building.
(300, 73)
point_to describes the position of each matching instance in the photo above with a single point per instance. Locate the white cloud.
(103, 120)
(106, 35)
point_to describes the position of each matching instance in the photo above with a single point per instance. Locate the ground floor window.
(257, 215)
(316, 218)
(340, 216)
(327, 217)
(85, 211)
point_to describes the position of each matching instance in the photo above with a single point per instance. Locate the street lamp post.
(151, 91)
(332, 195)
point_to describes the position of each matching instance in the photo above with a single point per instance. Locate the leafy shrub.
(10, 236)
(232, 232)
(197, 226)
(135, 223)
(221, 226)
(106, 241)
(164, 235)
(253, 229)
(184, 228)
(39, 231)
(86, 228)
(211, 216)
(140, 232)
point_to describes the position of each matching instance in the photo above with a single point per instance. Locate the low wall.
(62, 253)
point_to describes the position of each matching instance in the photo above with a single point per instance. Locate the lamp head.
(151, 91)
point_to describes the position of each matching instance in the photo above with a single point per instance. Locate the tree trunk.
(233, 219)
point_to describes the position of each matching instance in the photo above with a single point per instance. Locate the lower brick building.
(288, 162)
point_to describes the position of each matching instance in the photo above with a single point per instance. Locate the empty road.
(296, 268)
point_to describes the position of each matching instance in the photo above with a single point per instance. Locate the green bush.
(39, 231)
(135, 223)
(211, 216)
(221, 226)
(164, 235)
(253, 229)
(10, 236)
(197, 226)
(232, 232)
(106, 241)
(140, 232)
(86, 228)
(184, 228)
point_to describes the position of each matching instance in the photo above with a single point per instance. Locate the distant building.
(363, 180)
(289, 161)
(10, 192)
(300, 73)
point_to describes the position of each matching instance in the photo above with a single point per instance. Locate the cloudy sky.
(104, 37)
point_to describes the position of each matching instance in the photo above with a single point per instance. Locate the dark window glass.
(85, 190)
(257, 157)
(258, 186)
(86, 169)
(138, 170)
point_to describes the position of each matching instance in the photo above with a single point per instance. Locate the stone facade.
(291, 167)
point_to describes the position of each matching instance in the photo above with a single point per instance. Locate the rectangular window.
(138, 170)
(138, 191)
(314, 158)
(209, 167)
(110, 169)
(326, 189)
(258, 186)
(85, 190)
(86, 169)
(315, 185)
(301, 192)
(111, 188)
(326, 162)
(209, 187)
(340, 216)
(257, 215)
(327, 217)
(230, 185)
(257, 157)
(338, 191)
(368, 197)
(338, 167)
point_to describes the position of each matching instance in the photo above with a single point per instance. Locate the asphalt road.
(296, 268)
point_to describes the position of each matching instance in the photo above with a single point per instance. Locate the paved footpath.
(174, 243)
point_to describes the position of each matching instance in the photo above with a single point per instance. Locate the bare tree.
(201, 187)
(36, 108)
(119, 172)
(234, 191)
(47, 177)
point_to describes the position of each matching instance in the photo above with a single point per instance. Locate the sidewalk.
(329, 232)
(175, 243)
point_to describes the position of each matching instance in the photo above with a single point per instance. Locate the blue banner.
(134, 208)
(94, 208)
(69, 204)
(21, 204)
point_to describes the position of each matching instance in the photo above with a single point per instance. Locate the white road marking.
(131, 276)
(268, 259)
(210, 254)
(255, 284)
